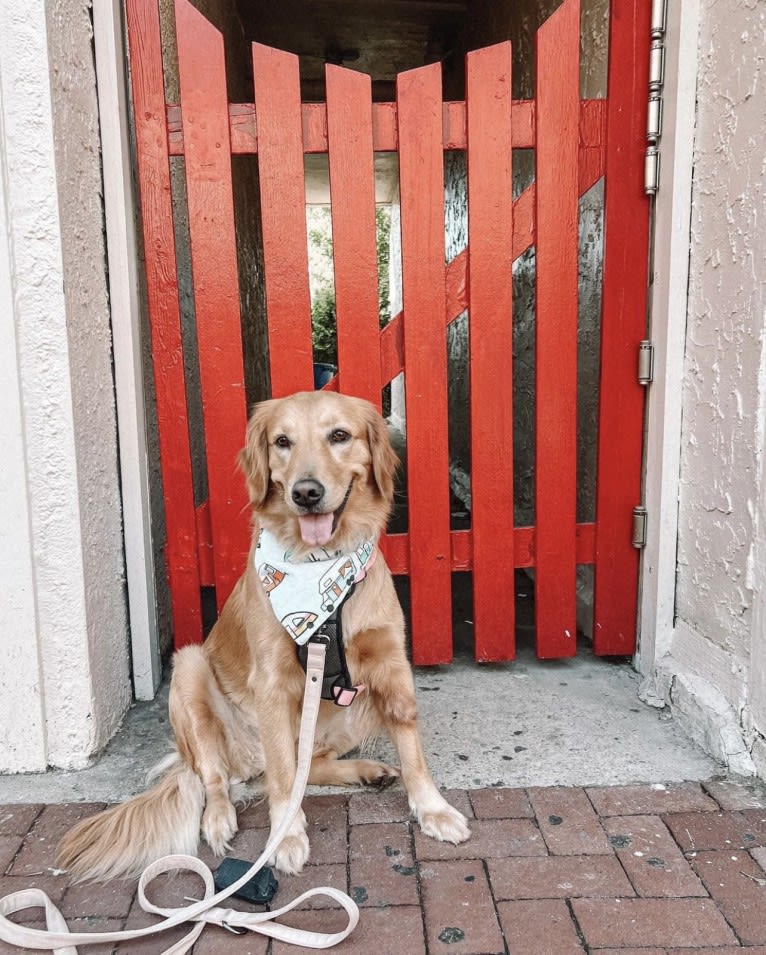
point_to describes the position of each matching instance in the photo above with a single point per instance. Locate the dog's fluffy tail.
(120, 842)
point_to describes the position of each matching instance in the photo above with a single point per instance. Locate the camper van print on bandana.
(305, 593)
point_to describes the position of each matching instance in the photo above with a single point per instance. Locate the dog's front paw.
(445, 824)
(219, 823)
(292, 854)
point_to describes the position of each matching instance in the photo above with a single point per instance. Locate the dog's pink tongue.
(316, 529)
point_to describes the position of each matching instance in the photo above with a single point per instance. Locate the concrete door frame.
(668, 309)
(120, 217)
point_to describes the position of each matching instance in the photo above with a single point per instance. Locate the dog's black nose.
(308, 492)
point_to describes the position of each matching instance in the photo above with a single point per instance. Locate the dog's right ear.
(254, 457)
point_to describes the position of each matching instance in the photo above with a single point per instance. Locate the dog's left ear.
(254, 457)
(384, 458)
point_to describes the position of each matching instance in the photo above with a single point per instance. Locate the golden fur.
(235, 700)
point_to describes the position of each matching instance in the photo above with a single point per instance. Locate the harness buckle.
(345, 695)
(321, 636)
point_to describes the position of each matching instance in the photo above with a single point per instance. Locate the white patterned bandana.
(305, 593)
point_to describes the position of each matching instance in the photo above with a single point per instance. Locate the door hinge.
(654, 107)
(639, 526)
(645, 362)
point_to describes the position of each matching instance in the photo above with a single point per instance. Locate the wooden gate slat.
(244, 138)
(205, 113)
(397, 555)
(352, 195)
(164, 318)
(558, 79)
(623, 325)
(283, 219)
(490, 323)
(421, 176)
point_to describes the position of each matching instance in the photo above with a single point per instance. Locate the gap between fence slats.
(153, 169)
(556, 317)
(212, 240)
(490, 326)
(352, 194)
(283, 219)
(421, 175)
(623, 325)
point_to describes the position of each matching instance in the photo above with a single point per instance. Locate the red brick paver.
(658, 869)
(661, 922)
(743, 829)
(569, 823)
(532, 927)
(651, 858)
(738, 885)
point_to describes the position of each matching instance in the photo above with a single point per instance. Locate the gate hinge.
(639, 526)
(645, 362)
(654, 107)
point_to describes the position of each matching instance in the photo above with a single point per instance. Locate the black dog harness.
(336, 685)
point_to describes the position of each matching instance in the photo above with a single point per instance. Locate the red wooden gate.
(576, 142)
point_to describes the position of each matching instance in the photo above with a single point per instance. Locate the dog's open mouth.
(317, 529)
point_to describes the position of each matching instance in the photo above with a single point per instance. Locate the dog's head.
(320, 469)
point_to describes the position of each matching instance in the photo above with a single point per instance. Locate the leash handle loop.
(57, 938)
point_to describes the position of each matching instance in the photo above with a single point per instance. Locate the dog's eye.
(282, 441)
(339, 436)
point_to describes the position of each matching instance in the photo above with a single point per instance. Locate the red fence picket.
(421, 178)
(352, 193)
(490, 294)
(152, 155)
(556, 193)
(623, 325)
(283, 218)
(212, 240)
(576, 143)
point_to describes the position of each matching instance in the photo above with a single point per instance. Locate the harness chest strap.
(336, 683)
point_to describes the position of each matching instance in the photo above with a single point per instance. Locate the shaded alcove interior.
(383, 39)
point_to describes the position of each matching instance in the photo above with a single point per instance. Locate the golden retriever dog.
(319, 469)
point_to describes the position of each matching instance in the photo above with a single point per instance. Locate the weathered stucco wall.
(88, 322)
(720, 546)
(65, 684)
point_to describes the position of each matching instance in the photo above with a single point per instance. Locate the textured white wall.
(65, 685)
(721, 478)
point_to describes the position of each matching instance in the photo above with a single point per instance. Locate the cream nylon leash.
(57, 937)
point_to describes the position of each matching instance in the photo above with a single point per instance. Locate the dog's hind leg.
(340, 730)
(328, 770)
(197, 711)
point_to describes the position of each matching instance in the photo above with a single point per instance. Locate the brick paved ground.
(628, 869)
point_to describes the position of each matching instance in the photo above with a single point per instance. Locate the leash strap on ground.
(57, 938)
